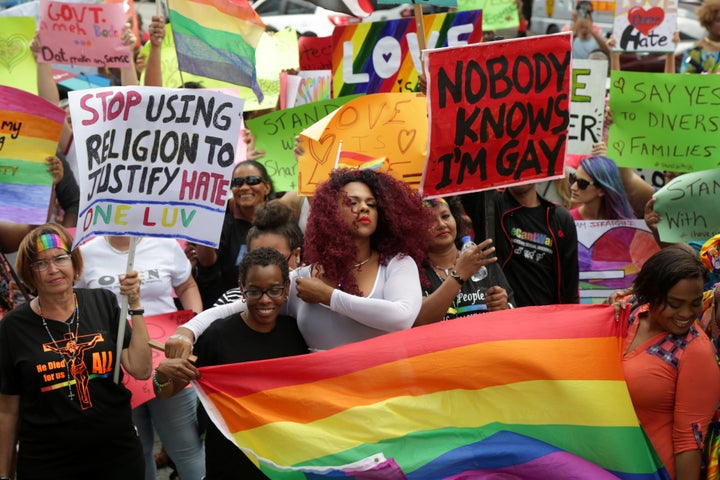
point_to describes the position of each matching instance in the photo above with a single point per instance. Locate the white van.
(550, 16)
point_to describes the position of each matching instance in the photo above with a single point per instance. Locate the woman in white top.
(363, 248)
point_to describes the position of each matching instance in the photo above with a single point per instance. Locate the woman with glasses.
(598, 192)
(363, 244)
(251, 186)
(58, 401)
(260, 332)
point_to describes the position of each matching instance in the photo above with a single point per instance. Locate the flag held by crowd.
(217, 39)
(467, 397)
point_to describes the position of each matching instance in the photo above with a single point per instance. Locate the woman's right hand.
(617, 300)
(179, 345)
(178, 369)
(472, 259)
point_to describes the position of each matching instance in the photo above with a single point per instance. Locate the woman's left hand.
(313, 290)
(496, 298)
(130, 286)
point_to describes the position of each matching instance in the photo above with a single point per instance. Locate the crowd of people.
(363, 257)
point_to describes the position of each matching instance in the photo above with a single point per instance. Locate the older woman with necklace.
(58, 400)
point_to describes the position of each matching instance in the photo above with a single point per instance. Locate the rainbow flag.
(30, 129)
(534, 392)
(359, 161)
(217, 39)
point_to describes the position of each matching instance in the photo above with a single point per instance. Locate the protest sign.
(388, 125)
(154, 162)
(275, 133)
(437, 3)
(30, 129)
(315, 53)
(83, 34)
(498, 114)
(645, 25)
(496, 14)
(688, 207)
(159, 328)
(17, 66)
(309, 86)
(587, 105)
(664, 121)
(385, 56)
(610, 253)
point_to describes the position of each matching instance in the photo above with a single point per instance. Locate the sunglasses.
(581, 182)
(252, 180)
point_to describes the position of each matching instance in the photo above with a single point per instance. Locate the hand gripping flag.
(534, 392)
(217, 39)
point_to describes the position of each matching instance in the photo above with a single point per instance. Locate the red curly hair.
(402, 223)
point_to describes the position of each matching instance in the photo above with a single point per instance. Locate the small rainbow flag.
(30, 129)
(359, 161)
(535, 392)
(217, 39)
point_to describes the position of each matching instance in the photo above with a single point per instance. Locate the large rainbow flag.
(30, 129)
(531, 393)
(217, 39)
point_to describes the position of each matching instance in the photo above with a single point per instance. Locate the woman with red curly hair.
(363, 244)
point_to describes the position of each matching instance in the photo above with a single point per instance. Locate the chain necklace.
(68, 359)
(358, 266)
(449, 269)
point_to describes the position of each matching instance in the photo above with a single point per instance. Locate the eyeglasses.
(581, 182)
(252, 180)
(59, 261)
(254, 294)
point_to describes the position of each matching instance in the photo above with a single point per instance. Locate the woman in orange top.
(669, 362)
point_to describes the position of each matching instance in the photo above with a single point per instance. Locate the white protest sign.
(645, 25)
(154, 161)
(587, 105)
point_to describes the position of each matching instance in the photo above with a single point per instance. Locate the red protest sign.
(498, 114)
(315, 53)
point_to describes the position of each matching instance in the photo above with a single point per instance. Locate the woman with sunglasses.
(363, 251)
(217, 269)
(58, 400)
(598, 192)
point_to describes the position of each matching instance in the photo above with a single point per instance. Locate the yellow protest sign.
(17, 64)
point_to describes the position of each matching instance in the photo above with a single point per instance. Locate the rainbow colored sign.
(385, 57)
(30, 129)
(467, 398)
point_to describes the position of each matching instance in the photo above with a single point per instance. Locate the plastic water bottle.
(482, 271)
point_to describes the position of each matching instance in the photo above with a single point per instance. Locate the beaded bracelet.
(157, 383)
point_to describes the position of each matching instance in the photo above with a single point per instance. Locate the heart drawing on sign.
(619, 146)
(386, 57)
(645, 21)
(620, 84)
(320, 150)
(405, 139)
(12, 50)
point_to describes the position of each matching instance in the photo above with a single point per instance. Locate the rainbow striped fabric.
(534, 393)
(217, 39)
(360, 161)
(30, 129)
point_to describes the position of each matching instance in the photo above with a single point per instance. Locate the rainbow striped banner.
(535, 392)
(384, 56)
(30, 129)
(217, 39)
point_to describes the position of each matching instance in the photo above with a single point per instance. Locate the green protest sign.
(664, 122)
(437, 3)
(275, 133)
(496, 14)
(688, 207)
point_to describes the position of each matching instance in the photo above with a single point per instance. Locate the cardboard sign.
(587, 105)
(315, 53)
(388, 125)
(159, 327)
(83, 34)
(385, 57)
(688, 207)
(30, 129)
(498, 114)
(645, 25)
(610, 253)
(497, 14)
(664, 121)
(306, 87)
(275, 133)
(17, 65)
(154, 162)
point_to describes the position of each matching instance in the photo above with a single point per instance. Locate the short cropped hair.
(27, 253)
(263, 257)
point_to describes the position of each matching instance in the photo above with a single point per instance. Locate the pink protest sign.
(82, 34)
(160, 327)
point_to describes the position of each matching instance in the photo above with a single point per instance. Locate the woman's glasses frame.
(59, 261)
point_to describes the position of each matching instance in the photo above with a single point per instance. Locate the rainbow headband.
(436, 201)
(46, 241)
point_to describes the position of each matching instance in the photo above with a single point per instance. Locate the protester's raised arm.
(153, 67)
